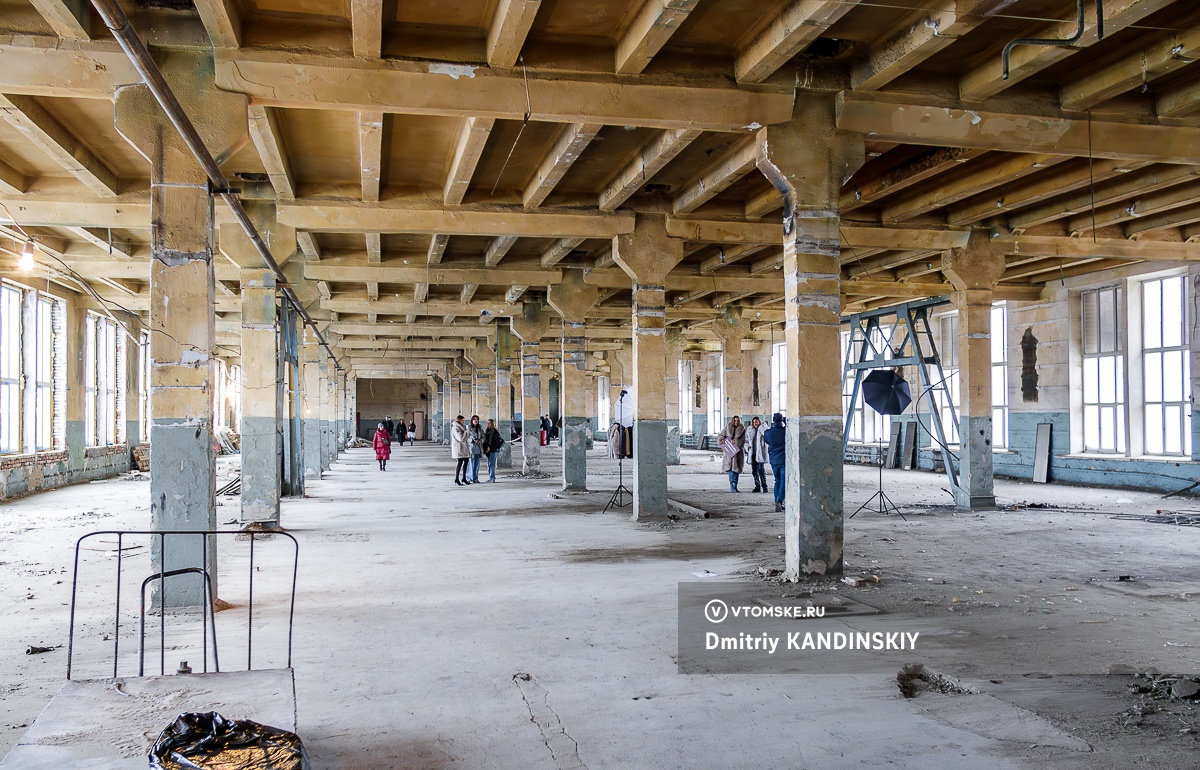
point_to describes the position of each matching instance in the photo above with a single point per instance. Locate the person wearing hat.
(776, 438)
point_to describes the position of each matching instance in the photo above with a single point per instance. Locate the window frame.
(1109, 357)
(1155, 346)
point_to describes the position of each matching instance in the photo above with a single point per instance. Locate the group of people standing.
(469, 444)
(760, 446)
(385, 431)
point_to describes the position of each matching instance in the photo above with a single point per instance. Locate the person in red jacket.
(383, 446)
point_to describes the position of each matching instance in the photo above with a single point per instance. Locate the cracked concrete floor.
(500, 626)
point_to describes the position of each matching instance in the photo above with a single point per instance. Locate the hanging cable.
(118, 23)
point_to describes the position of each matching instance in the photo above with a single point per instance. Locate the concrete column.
(454, 397)
(572, 298)
(262, 386)
(648, 255)
(328, 411)
(466, 391)
(310, 408)
(182, 321)
(448, 413)
(75, 326)
(262, 397)
(732, 328)
(504, 412)
(675, 344)
(133, 385)
(530, 326)
(973, 271)
(436, 405)
(808, 160)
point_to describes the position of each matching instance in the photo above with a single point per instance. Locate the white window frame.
(11, 357)
(947, 342)
(32, 371)
(103, 382)
(686, 408)
(716, 394)
(779, 378)
(999, 335)
(1103, 372)
(1166, 402)
(144, 388)
(603, 402)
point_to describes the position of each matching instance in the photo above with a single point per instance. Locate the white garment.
(460, 444)
(756, 444)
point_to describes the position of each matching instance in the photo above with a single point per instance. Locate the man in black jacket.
(491, 446)
(391, 427)
(776, 438)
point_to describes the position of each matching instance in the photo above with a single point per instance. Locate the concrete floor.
(502, 626)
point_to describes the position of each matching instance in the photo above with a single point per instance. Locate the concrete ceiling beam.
(473, 135)
(731, 166)
(222, 20)
(52, 137)
(566, 150)
(650, 160)
(400, 217)
(996, 173)
(70, 19)
(508, 30)
(987, 79)
(917, 37)
(908, 122)
(267, 136)
(650, 30)
(800, 23)
(285, 79)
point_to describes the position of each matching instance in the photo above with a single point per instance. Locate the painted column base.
(311, 448)
(649, 469)
(975, 485)
(814, 517)
(260, 470)
(574, 443)
(182, 497)
(672, 442)
(531, 449)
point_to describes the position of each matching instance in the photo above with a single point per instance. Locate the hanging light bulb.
(26, 261)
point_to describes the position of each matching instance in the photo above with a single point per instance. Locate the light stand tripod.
(618, 496)
(884, 503)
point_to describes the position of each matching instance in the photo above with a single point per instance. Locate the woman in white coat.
(460, 450)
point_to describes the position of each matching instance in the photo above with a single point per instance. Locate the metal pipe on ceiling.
(118, 23)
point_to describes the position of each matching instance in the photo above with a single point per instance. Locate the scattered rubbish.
(1124, 578)
(232, 488)
(209, 741)
(1163, 517)
(685, 508)
(866, 581)
(33, 649)
(705, 574)
(228, 442)
(914, 679)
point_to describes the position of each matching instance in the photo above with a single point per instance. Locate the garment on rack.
(620, 441)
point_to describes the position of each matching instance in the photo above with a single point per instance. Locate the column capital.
(220, 117)
(809, 158)
(731, 327)
(481, 355)
(977, 266)
(281, 239)
(648, 254)
(571, 298)
(532, 324)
